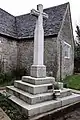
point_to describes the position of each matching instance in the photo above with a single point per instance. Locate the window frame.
(68, 50)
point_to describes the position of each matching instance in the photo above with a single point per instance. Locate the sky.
(19, 7)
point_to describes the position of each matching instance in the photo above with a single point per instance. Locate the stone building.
(16, 41)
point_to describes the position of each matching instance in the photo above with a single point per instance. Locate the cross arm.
(36, 13)
(45, 15)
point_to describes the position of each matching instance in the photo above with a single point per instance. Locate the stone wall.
(25, 55)
(65, 65)
(50, 56)
(19, 54)
(8, 54)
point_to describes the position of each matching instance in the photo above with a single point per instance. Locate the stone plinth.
(38, 71)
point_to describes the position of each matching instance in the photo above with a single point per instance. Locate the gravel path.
(75, 115)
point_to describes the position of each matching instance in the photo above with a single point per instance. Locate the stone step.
(31, 110)
(33, 89)
(33, 99)
(38, 81)
(40, 108)
(29, 98)
(63, 93)
(70, 99)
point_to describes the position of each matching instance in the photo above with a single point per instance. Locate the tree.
(78, 33)
(77, 51)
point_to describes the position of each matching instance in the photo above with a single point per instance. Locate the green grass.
(73, 81)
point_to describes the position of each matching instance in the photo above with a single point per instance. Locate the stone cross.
(39, 35)
(38, 62)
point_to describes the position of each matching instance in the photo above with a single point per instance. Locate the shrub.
(9, 77)
(11, 109)
(6, 78)
(19, 72)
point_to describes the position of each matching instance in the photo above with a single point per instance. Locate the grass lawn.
(73, 81)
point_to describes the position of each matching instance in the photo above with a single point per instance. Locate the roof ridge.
(57, 6)
(7, 12)
(23, 25)
(45, 9)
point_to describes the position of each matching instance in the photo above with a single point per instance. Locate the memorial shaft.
(38, 69)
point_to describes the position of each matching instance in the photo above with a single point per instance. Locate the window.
(67, 49)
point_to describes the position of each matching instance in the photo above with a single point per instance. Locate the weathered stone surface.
(33, 89)
(31, 110)
(25, 55)
(70, 99)
(65, 65)
(29, 98)
(8, 60)
(38, 81)
(36, 109)
(63, 93)
(38, 71)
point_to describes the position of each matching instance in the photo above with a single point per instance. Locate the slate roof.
(7, 24)
(23, 26)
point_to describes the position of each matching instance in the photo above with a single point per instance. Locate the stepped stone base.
(33, 99)
(35, 96)
(44, 107)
